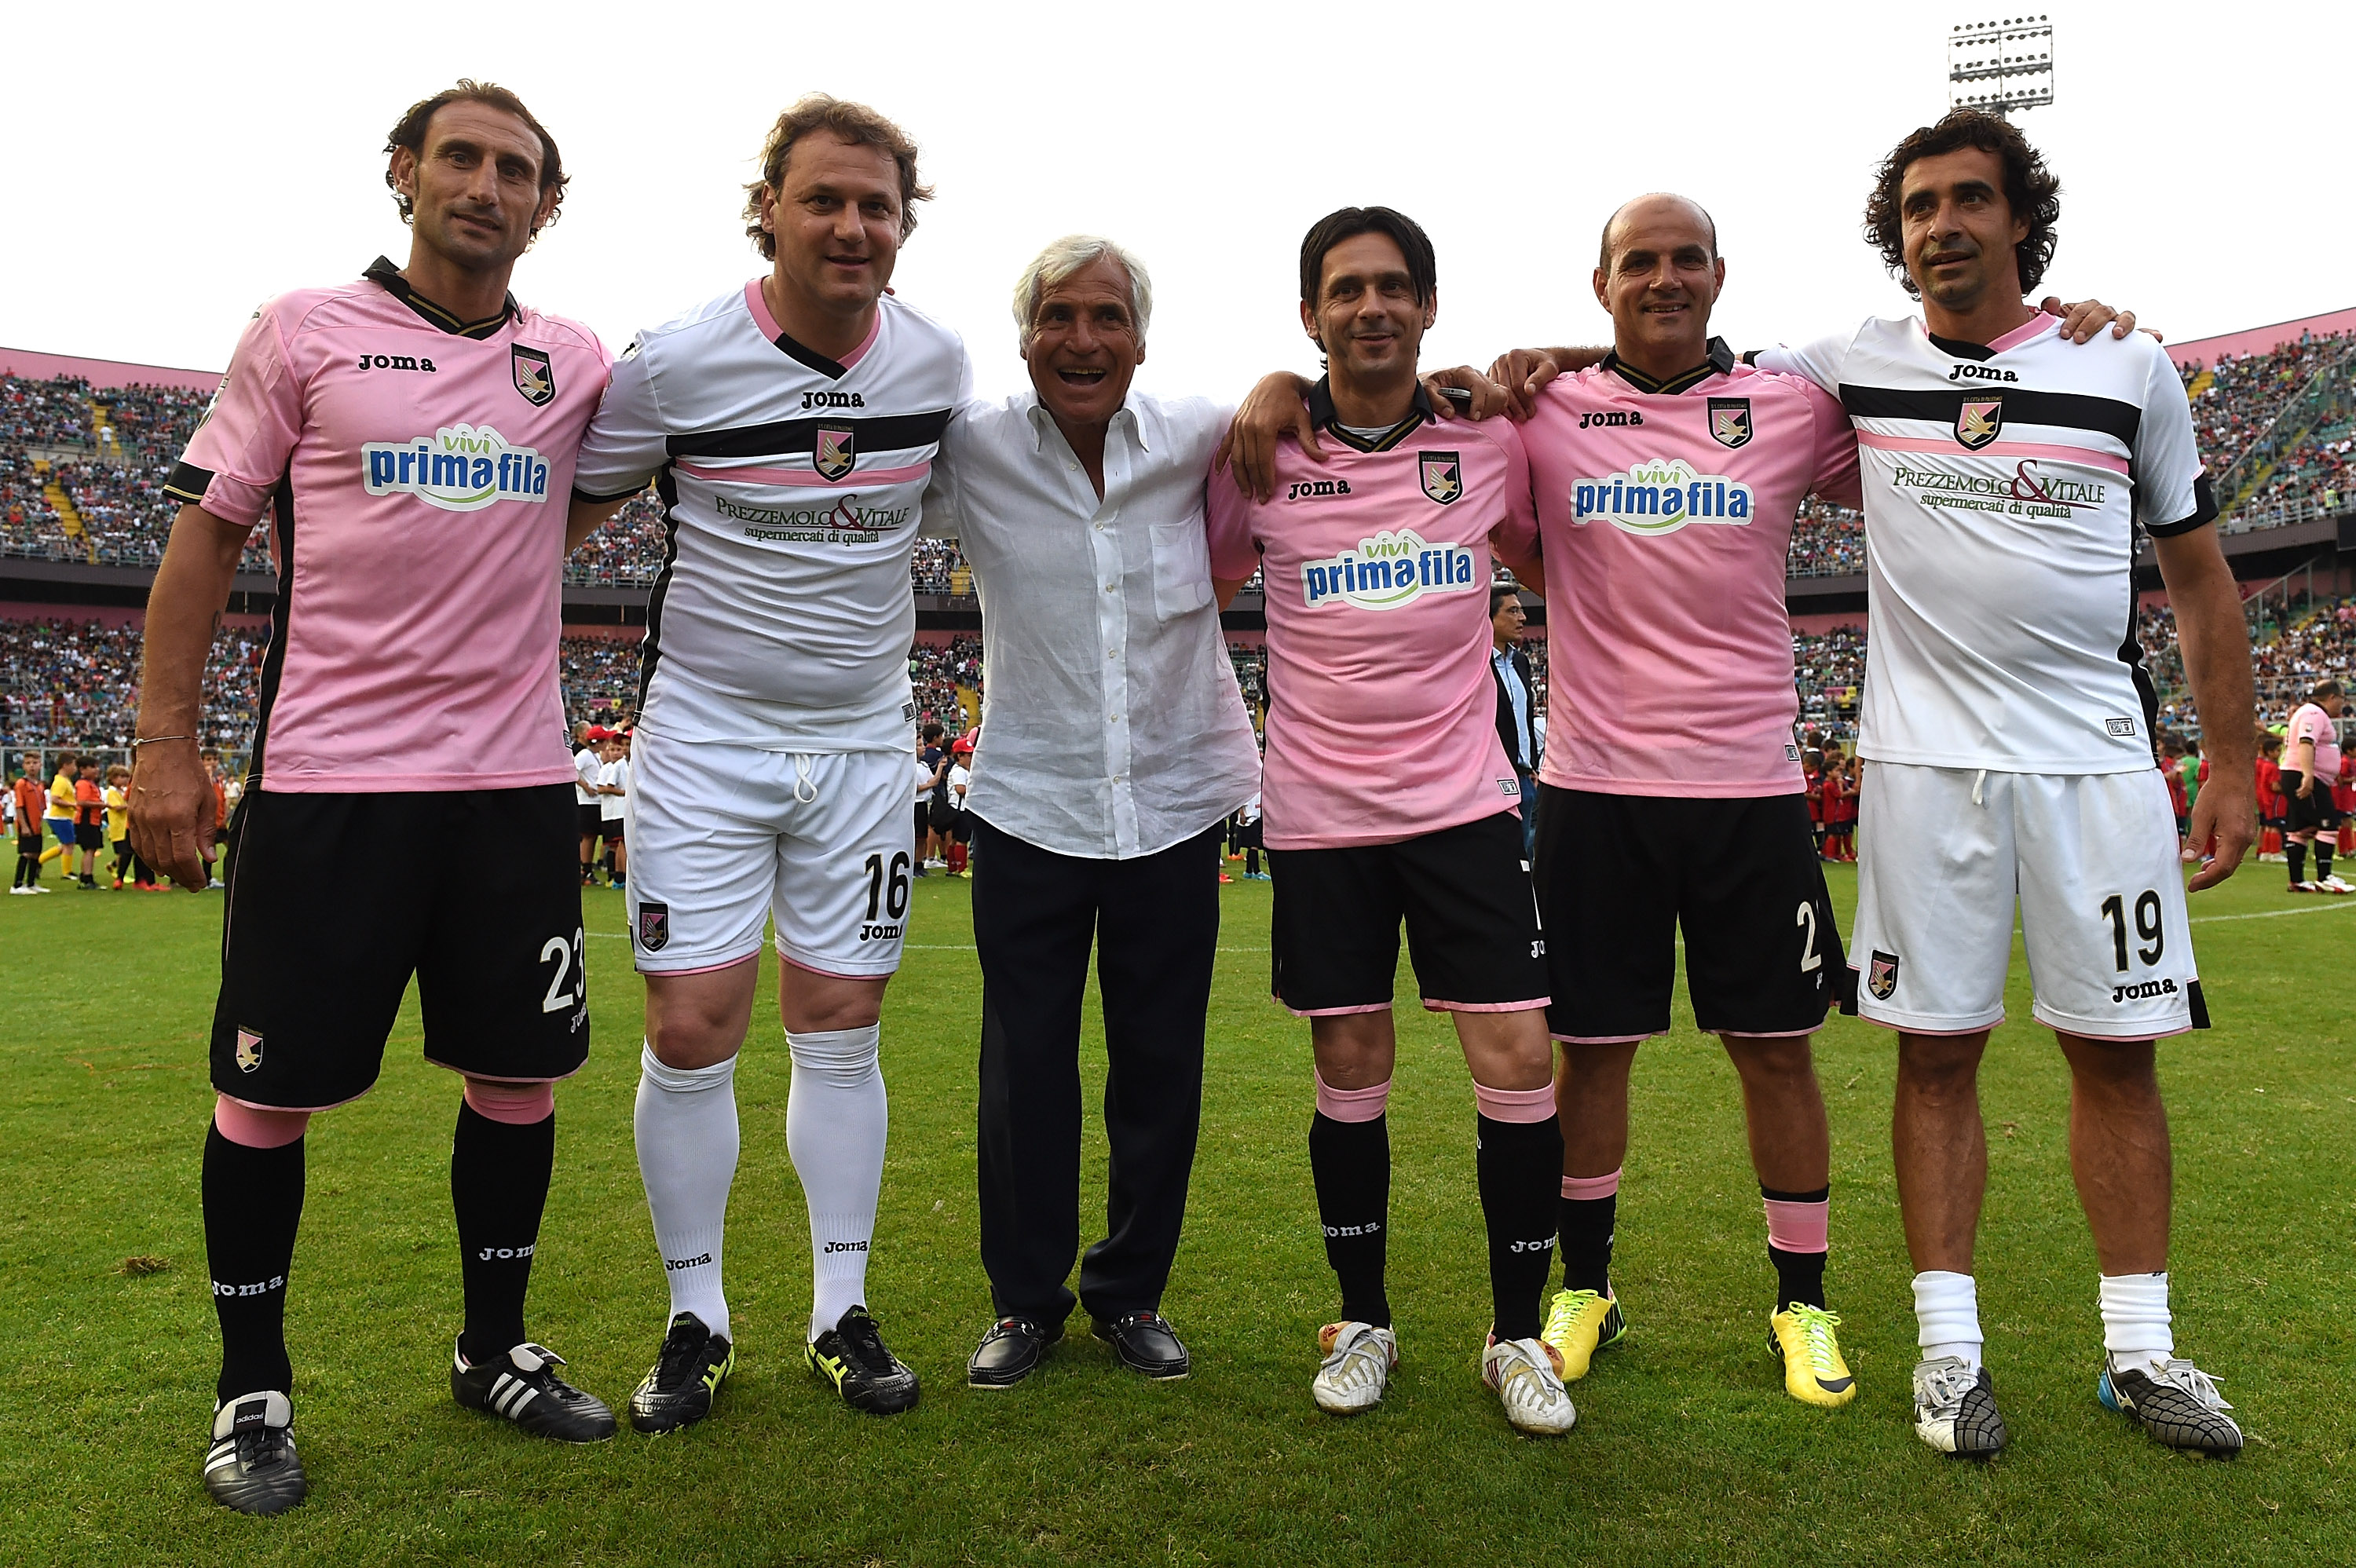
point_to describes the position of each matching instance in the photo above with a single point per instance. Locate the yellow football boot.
(1579, 1324)
(1803, 1340)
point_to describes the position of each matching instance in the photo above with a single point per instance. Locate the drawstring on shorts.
(1978, 779)
(805, 786)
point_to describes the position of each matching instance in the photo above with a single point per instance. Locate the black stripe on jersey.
(581, 495)
(2065, 410)
(650, 645)
(385, 276)
(798, 438)
(187, 483)
(834, 370)
(2205, 510)
(273, 658)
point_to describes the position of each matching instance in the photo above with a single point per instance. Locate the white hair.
(1066, 257)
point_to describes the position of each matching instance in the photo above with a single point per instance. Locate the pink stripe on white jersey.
(2092, 456)
(1664, 519)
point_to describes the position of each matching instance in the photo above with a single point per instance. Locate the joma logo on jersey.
(395, 362)
(1387, 571)
(876, 931)
(1610, 417)
(1969, 372)
(832, 400)
(2141, 991)
(1302, 489)
(1659, 497)
(459, 468)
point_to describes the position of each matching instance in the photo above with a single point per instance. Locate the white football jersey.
(792, 487)
(2003, 485)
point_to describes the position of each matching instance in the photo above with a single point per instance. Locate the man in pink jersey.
(2310, 767)
(1667, 477)
(1389, 796)
(412, 438)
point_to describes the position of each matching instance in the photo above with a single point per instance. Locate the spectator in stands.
(1517, 726)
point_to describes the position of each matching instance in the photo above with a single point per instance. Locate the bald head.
(1660, 209)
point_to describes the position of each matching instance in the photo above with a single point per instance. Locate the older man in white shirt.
(1117, 744)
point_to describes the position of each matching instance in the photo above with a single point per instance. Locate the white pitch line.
(2270, 913)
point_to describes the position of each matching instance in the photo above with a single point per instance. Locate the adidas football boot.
(1581, 1323)
(251, 1466)
(1955, 1409)
(1528, 1381)
(685, 1379)
(1802, 1338)
(851, 1355)
(2176, 1402)
(522, 1387)
(1359, 1360)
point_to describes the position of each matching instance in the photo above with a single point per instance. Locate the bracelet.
(160, 740)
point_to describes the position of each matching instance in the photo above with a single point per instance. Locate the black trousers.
(1154, 922)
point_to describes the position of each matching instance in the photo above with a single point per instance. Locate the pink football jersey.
(1664, 517)
(416, 472)
(1382, 718)
(2312, 723)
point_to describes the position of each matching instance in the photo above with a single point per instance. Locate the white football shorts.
(2090, 859)
(724, 837)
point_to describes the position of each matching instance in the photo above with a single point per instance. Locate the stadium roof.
(2260, 339)
(35, 366)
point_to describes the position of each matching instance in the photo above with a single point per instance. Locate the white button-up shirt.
(1112, 725)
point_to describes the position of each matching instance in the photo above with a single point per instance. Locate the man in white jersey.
(2009, 721)
(789, 426)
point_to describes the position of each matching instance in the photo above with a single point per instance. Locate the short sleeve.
(1833, 472)
(2172, 493)
(938, 518)
(241, 447)
(628, 441)
(1516, 534)
(1227, 518)
(1821, 361)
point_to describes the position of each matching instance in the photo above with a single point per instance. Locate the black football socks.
(1520, 1175)
(498, 1186)
(1351, 1162)
(253, 1205)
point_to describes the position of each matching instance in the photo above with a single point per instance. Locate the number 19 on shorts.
(2152, 940)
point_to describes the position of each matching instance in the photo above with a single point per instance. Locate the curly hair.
(856, 124)
(410, 132)
(2030, 190)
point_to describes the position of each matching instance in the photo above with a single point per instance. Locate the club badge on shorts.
(1979, 422)
(835, 452)
(1730, 420)
(249, 1050)
(535, 378)
(1881, 980)
(654, 926)
(1442, 473)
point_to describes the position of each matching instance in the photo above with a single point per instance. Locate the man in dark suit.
(1517, 727)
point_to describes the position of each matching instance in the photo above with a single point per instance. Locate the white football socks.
(1947, 1315)
(686, 1125)
(836, 1122)
(2134, 1316)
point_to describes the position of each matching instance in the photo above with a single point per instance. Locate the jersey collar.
(1321, 416)
(1720, 362)
(1957, 348)
(385, 276)
(802, 353)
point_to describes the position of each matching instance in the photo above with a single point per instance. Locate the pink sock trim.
(1515, 1105)
(516, 1104)
(1352, 1104)
(1586, 1188)
(255, 1128)
(1799, 1227)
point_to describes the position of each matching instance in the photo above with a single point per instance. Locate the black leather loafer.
(1009, 1352)
(1146, 1344)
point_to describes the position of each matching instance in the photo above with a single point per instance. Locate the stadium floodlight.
(2000, 66)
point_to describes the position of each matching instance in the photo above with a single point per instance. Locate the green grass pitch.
(1686, 1451)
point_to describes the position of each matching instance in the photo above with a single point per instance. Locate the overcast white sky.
(167, 167)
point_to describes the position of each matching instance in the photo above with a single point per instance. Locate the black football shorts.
(315, 958)
(1618, 876)
(1471, 929)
